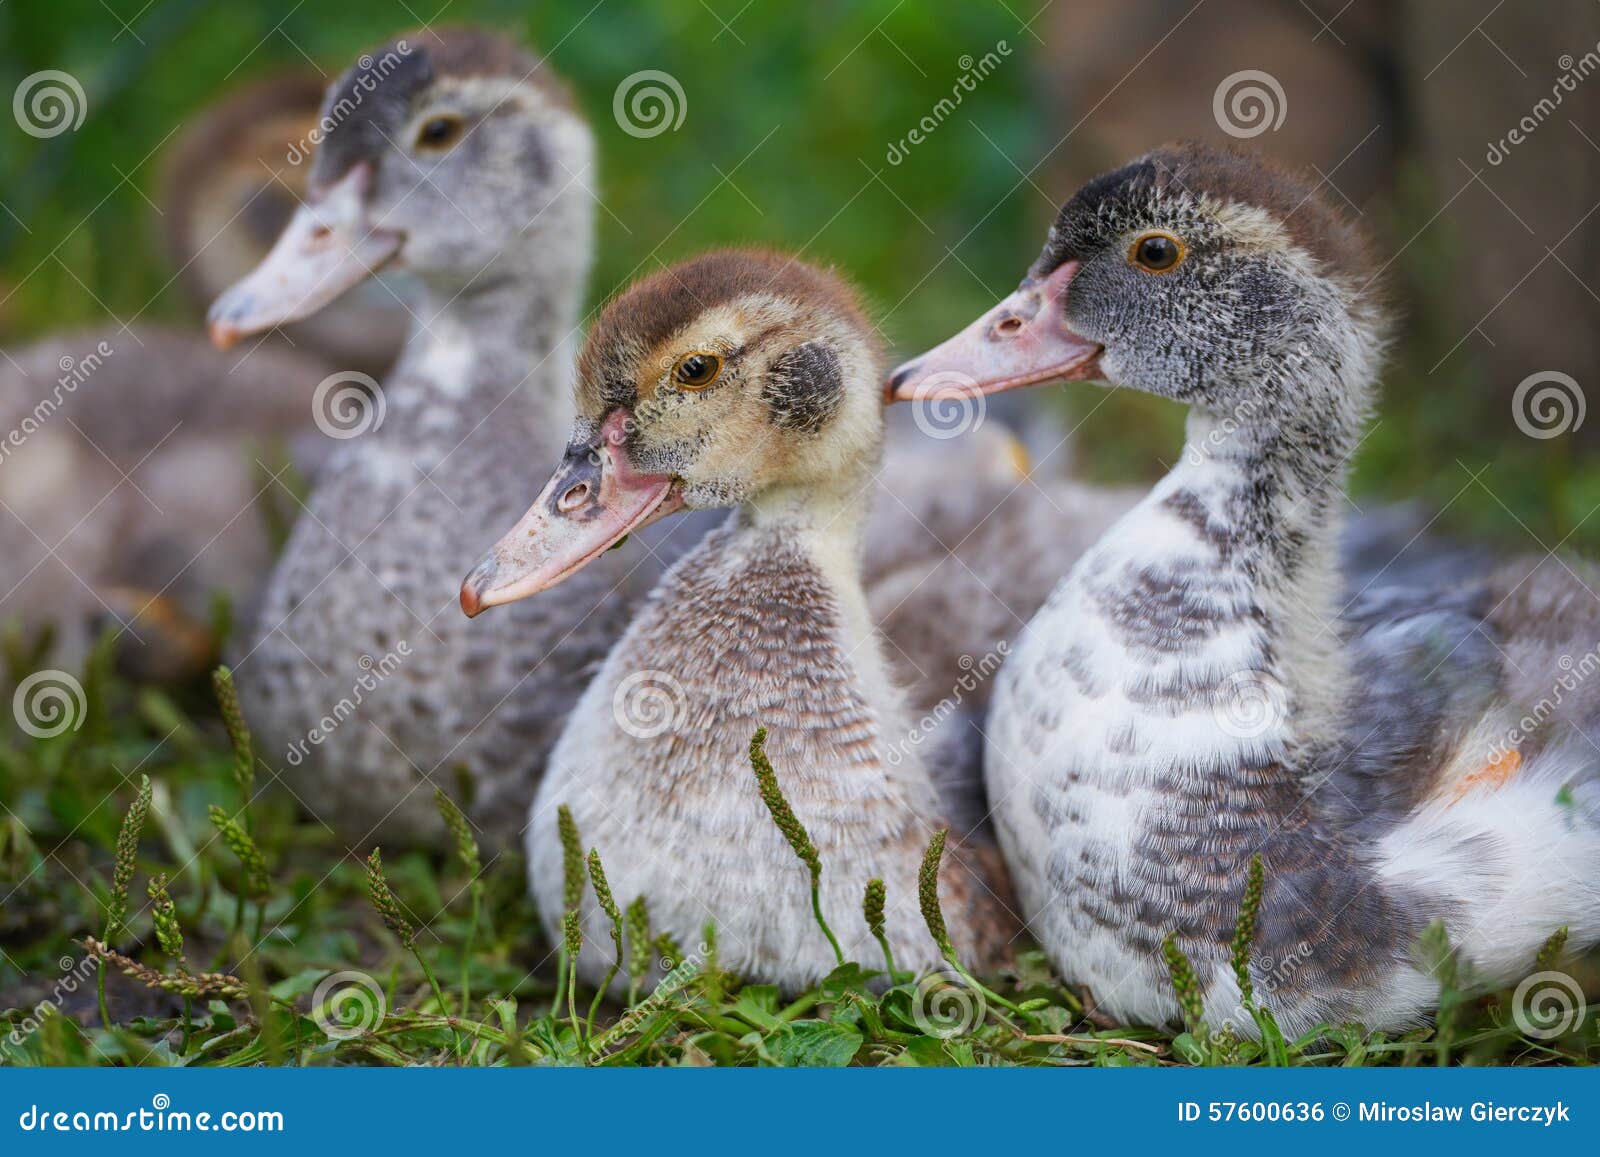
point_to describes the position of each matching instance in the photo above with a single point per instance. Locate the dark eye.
(697, 371)
(1157, 252)
(439, 132)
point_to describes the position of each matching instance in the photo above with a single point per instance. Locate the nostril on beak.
(1008, 327)
(573, 498)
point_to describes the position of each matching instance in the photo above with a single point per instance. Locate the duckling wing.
(1423, 667)
(1496, 746)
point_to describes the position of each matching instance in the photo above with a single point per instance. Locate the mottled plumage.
(365, 685)
(1202, 688)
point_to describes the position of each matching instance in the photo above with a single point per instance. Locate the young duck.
(131, 473)
(230, 183)
(456, 156)
(1189, 697)
(751, 381)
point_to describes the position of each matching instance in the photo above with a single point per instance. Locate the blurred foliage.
(791, 113)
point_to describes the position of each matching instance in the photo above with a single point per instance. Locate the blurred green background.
(791, 110)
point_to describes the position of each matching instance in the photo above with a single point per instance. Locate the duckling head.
(453, 154)
(730, 378)
(1194, 273)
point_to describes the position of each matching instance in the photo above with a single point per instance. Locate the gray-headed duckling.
(1198, 691)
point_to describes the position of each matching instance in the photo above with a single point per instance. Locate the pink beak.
(326, 248)
(1023, 340)
(593, 501)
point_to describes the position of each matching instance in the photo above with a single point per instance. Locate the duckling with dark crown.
(458, 157)
(751, 381)
(1194, 693)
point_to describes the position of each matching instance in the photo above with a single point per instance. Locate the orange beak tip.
(471, 598)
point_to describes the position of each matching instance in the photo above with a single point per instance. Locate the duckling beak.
(327, 247)
(594, 500)
(1023, 340)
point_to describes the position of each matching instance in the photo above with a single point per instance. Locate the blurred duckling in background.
(134, 476)
(457, 156)
(232, 181)
(749, 381)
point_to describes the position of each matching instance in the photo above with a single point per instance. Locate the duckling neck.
(1200, 631)
(827, 521)
(1265, 505)
(495, 336)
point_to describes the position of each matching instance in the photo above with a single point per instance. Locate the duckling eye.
(1157, 252)
(439, 132)
(697, 371)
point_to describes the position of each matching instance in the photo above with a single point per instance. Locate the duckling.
(1197, 692)
(458, 156)
(187, 425)
(744, 380)
(132, 467)
(230, 183)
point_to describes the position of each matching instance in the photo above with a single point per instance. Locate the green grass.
(215, 914)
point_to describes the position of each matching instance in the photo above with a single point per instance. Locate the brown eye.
(697, 371)
(1157, 252)
(439, 132)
